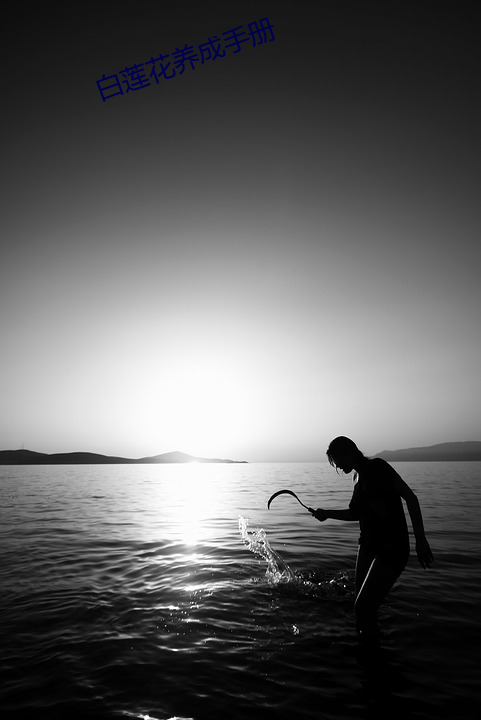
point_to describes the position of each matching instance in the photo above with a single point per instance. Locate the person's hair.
(339, 446)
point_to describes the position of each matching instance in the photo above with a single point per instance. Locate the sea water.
(170, 591)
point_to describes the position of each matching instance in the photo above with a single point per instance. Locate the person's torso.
(381, 514)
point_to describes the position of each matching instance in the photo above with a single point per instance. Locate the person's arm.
(321, 514)
(350, 513)
(424, 553)
(425, 556)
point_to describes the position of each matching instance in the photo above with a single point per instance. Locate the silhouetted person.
(384, 539)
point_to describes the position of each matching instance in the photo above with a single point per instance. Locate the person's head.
(344, 454)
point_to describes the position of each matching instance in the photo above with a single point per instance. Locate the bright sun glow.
(201, 408)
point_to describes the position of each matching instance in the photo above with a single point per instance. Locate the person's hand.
(424, 553)
(319, 514)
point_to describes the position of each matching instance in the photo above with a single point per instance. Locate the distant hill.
(29, 457)
(180, 457)
(453, 451)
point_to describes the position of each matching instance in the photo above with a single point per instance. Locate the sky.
(273, 248)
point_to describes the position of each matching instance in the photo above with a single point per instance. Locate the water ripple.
(114, 606)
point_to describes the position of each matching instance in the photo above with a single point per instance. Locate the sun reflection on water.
(191, 495)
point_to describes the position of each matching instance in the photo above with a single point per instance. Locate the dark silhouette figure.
(384, 539)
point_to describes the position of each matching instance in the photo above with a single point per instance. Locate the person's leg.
(377, 582)
(364, 561)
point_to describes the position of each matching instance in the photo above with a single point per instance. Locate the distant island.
(453, 451)
(29, 457)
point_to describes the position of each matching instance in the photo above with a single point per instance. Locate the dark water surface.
(170, 591)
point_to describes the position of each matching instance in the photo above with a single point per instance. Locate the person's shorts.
(396, 557)
(393, 555)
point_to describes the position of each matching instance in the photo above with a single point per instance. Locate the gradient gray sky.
(253, 257)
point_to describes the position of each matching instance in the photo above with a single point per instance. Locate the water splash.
(316, 584)
(278, 571)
